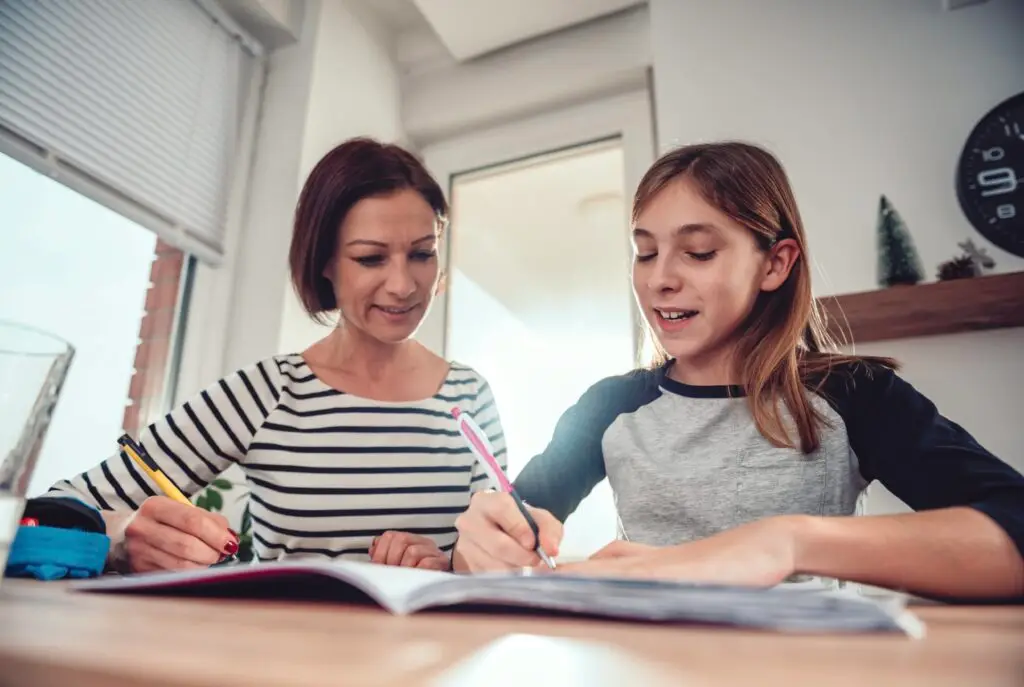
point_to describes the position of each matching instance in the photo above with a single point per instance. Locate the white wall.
(258, 301)
(336, 82)
(354, 92)
(858, 99)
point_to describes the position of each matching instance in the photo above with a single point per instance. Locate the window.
(128, 128)
(134, 104)
(515, 211)
(76, 269)
(539, 299)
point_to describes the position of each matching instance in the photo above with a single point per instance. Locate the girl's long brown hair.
(784, 346)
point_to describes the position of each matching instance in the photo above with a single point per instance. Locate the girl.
(738, 457)
(348, 447)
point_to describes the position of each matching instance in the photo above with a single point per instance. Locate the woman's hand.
(494, 535)
(164, 534)
(408, 550)
(761, 554)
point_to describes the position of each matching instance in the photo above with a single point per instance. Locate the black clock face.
(990, 176)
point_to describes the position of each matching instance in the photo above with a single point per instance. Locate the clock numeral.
(997, 181)
(1013, 129)
(1006, 211)
(993, 154)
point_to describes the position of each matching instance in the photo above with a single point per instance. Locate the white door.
(538, 294)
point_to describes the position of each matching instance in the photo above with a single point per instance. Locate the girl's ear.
(781, 258)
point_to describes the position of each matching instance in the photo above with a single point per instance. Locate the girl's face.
(385, 272)
(697, 274)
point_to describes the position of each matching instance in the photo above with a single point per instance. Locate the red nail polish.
(231, 548)
(234, 534)
(29, 522)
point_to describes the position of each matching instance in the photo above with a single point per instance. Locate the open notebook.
(404, 590)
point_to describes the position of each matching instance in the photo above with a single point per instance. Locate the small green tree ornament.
(898, 262)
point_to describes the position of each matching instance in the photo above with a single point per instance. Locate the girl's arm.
(572, 464)
(956, 552)
(950, 553)
(492, 532)
(967, 538)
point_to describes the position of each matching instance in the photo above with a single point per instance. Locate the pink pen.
(484, 453)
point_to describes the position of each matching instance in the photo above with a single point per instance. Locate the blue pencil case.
(69, 541)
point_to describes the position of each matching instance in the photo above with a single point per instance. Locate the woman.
(739, 456)
(349, 447)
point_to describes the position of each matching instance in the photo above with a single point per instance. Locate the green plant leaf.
(201, 501)
(246, 520)
(245, 552)
(221, 484)
(214, 501)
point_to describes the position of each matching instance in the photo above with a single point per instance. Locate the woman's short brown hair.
(356, 169)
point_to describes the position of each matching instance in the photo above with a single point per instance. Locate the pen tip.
(456, 412)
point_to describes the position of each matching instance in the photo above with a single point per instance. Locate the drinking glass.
(33, 367)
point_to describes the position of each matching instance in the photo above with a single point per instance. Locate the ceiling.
(398, 16)
(471, 28)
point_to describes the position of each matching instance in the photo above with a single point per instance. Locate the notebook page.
(779, 609)
(389, 586)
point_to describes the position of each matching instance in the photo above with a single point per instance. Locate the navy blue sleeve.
(922, 457)
(572, 464)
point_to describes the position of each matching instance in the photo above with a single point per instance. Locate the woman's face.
(385, 271)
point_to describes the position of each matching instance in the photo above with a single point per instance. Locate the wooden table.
(50, 636)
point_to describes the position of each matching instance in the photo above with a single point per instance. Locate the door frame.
(627, 116)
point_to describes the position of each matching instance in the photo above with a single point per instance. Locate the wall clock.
(990, 175)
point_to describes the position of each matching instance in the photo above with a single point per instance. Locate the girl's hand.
(494, 535)
(407, 550)
(622, 549)
(166, 535)
(758, 554)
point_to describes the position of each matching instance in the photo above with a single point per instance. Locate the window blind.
(134, 103)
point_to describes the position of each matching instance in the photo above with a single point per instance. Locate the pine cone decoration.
(957, 268)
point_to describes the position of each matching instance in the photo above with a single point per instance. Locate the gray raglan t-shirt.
(685, 462)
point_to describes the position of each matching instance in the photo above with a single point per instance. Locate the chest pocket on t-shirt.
(780, 481)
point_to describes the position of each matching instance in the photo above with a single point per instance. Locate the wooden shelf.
(945, 307)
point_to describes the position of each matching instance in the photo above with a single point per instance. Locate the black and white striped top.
(328, 471)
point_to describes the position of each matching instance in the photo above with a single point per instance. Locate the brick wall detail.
(145, 392)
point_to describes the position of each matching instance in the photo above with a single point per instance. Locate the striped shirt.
(327, 471)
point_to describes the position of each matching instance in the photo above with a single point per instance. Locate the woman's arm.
(191, 445)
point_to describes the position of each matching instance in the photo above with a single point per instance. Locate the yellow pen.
(144, 461)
